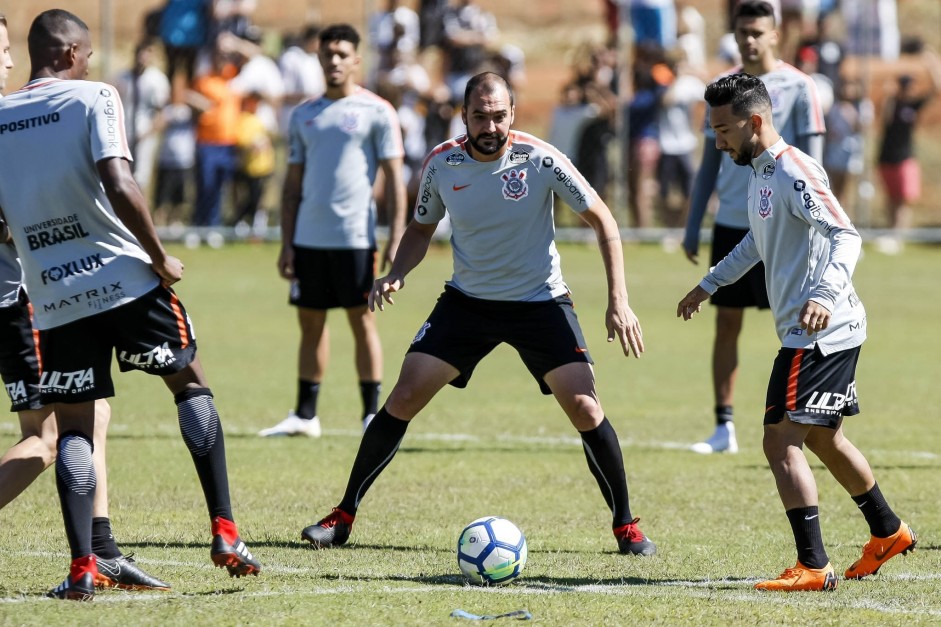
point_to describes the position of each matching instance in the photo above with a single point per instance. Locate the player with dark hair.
(23, 462)
(98, 278)
(809, 248)
(338, 143)
(798, 116)
(497, 185)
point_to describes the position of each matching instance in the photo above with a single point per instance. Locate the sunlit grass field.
(499, 448)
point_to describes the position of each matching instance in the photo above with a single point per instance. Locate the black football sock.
(369, 391)
(306, 399)
(881, 519)
(724, 414)
(805, 523)
(102, 540)
(75, 482)
(606, 463)
(202, 432)
(377, 448)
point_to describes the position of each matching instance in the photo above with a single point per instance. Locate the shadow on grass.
(551, 584)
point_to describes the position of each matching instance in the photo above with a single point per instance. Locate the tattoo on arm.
(611, 239)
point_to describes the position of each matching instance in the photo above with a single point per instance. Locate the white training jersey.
(502, 228)
(78, 258)
(808, 245)
(340, 144)
(796, 111)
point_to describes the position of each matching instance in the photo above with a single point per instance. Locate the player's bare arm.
(691, 303)
(290, 201)
(412, 249)
(131, 208)
(620, 320)
(814, 317)
(397, 199)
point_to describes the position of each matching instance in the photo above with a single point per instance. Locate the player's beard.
(744, 153)
(488, 150)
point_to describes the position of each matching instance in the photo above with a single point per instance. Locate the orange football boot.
(878, 551)
(800, 578)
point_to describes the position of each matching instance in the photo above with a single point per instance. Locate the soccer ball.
(491, 551)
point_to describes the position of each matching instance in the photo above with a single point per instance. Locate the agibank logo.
(67, 382)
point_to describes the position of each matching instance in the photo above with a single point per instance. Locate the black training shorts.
(811, 388)
(330, 278)
(19, 361)
(152, 333)
(748, 291)
(462, 330)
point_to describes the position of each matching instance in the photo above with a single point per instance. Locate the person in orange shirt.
(219, 108)
(256, 164)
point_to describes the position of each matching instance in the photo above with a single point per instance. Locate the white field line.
(690, 589)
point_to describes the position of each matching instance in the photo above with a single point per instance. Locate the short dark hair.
(3, 19)
(340, 32)
(754, 8)
(746, 93)
(50, 29)
(487, 81)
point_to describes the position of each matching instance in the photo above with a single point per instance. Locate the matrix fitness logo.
(514, 184)
(764, 203)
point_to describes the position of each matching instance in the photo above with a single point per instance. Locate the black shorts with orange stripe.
(152, 334)
(461, 330)
(811, 388)
(19, 360)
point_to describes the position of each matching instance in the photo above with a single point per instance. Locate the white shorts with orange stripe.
(153, 334)
(811, 388)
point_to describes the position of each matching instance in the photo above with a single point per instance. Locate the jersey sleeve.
(106, 125)
(809, 109)
(388, 133)
(429, 208)
(816, 205)
(733, 266)
(296, 149)
(566, 181)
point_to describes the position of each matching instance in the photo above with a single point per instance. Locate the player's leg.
(421, 377)
(26, 459)
(890, 535)
(368, 358)
(573, 386)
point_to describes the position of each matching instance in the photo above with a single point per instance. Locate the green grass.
(500, 448)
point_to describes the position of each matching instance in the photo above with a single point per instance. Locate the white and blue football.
(491, 551)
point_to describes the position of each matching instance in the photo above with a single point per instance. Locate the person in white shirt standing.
(809, 248)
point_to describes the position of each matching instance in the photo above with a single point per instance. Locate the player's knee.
(404, 401)
(585, 412)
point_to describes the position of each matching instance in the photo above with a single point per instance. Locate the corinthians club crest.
(514, 185)
(764, 203)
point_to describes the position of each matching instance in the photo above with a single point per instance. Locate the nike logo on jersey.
(579, 349)
(458, 188)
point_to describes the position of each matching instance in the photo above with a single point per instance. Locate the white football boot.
(294, 425)
(722, 441)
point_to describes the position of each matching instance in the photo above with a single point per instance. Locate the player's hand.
(286, 262)
(814, 317)
(383, 288)
(623, 324)
(692, 254)
(170, 270)
(690, 304)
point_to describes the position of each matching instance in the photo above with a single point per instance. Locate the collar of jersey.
(770, 155)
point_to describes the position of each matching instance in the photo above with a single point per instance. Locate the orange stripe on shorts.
(180, 320)
(29, 308)
(791, 403)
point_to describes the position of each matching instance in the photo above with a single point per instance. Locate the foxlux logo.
(157, 356)
(68, 382)
(569, 184)
(831, 402)
(72, 268)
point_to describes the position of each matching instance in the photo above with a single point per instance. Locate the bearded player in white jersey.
(497, 186)
(798, 116)
(809, 248)
(98, 279)
(23, 462)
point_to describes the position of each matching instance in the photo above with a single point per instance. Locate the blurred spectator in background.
(691, 36)
(219, 108)
(468, 32)
(431, 20)
(300, 72)
(232, 16)
(256, 161)
(898, 166)
(176, 161)
(808, 63)
(650, 79)
(144, 90)
(654, 23)
(872, 28)
(843, 158)
(395, 28)
(257, 73)
(184, 30)
(677, 140)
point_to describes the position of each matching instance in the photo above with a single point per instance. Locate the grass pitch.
(499, 448)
